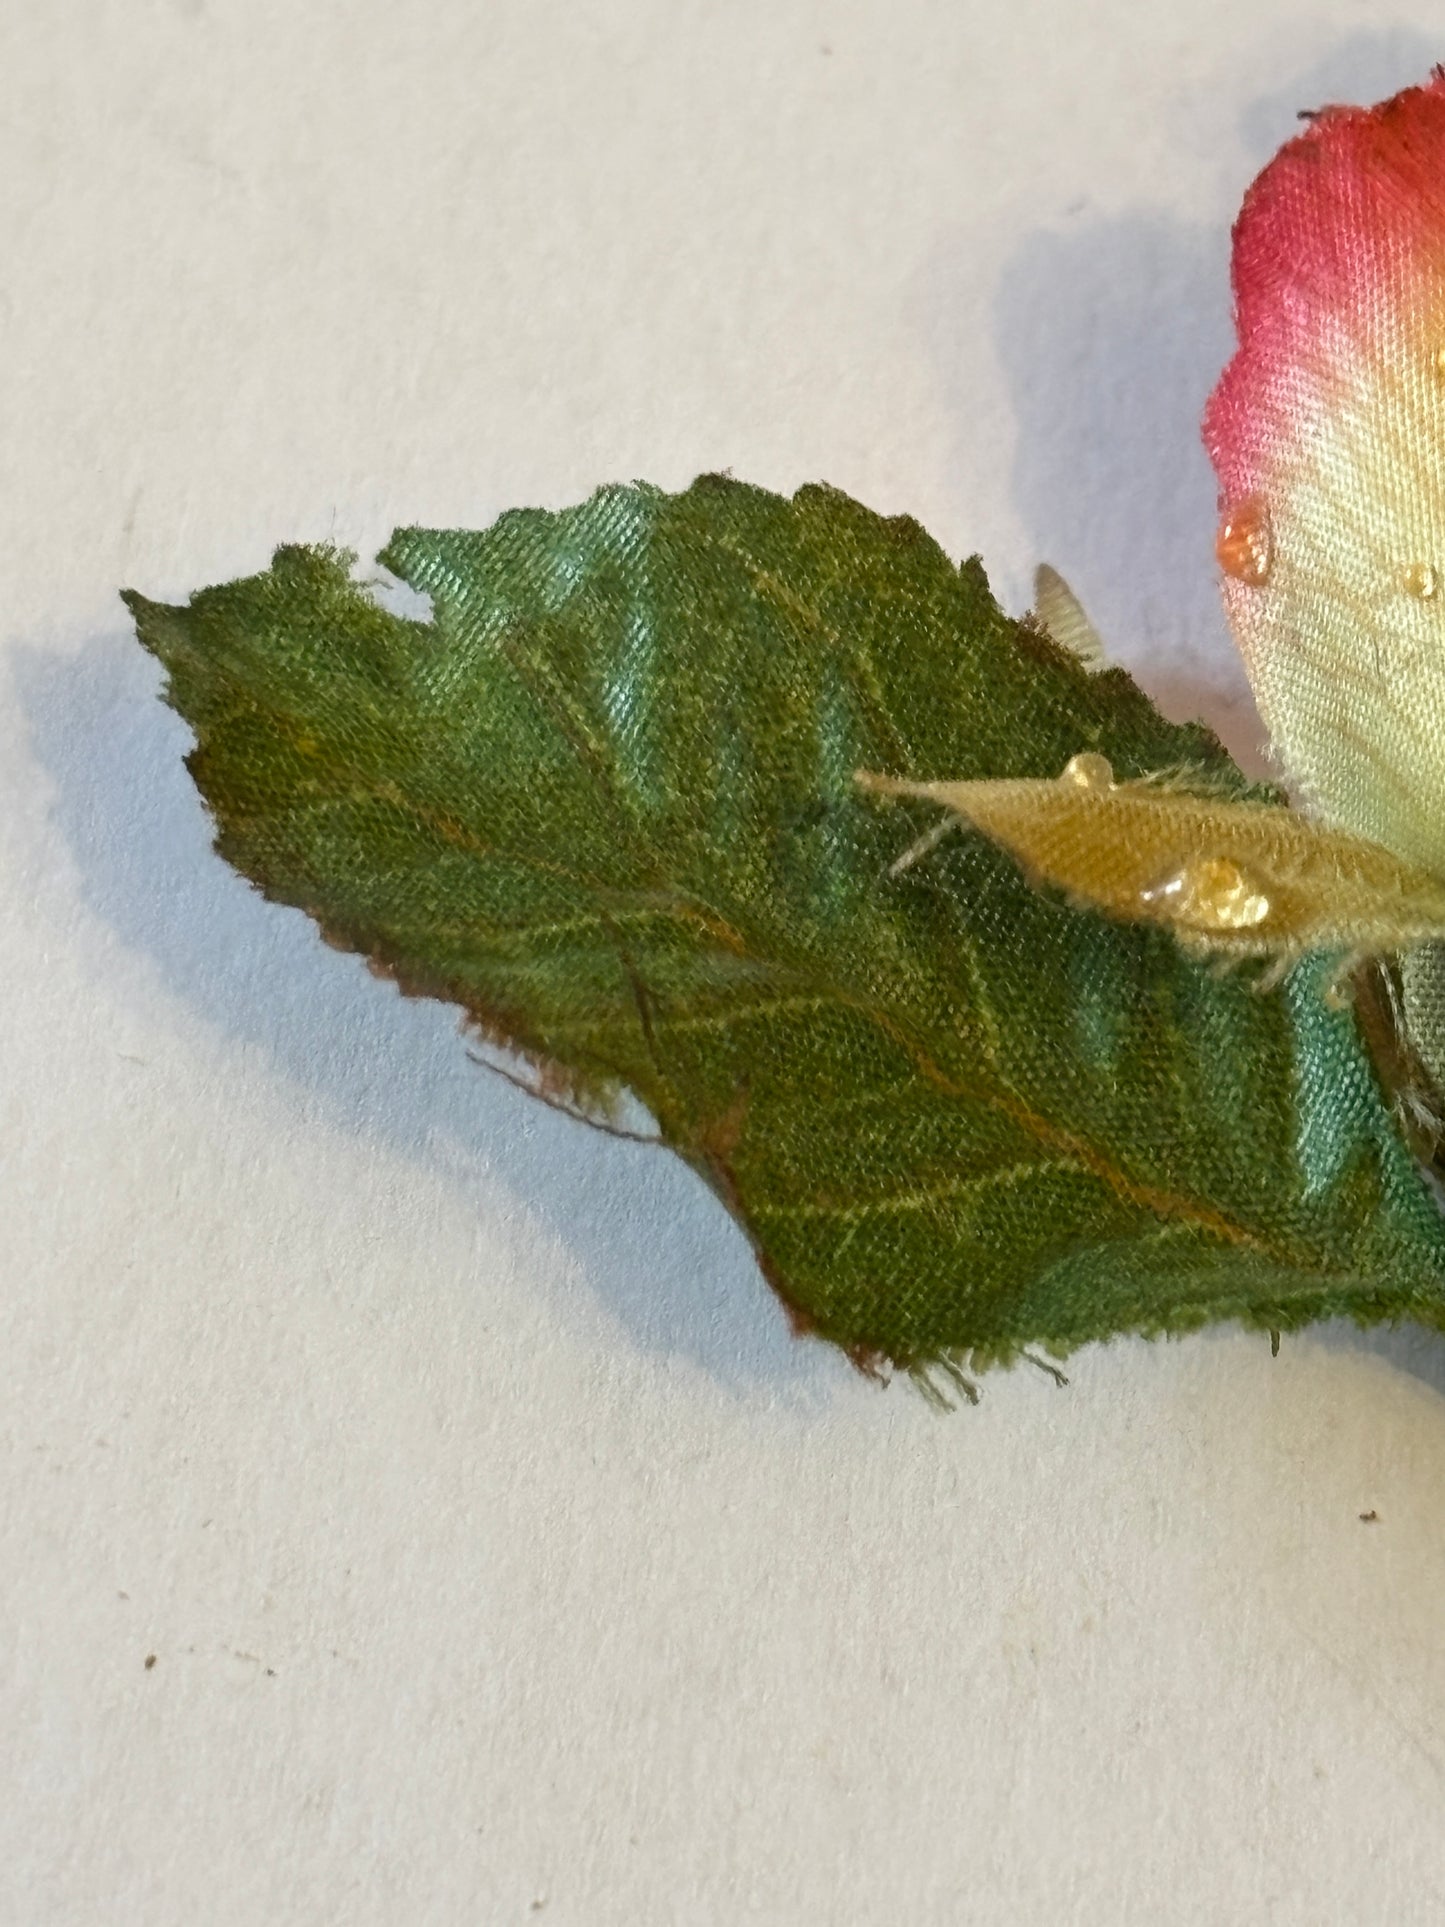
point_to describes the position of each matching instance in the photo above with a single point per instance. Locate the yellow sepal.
(1234, 879)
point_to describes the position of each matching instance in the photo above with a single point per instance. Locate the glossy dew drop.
(1209, 893)
(1420, 580)
(1088, 771)
(1244, 543)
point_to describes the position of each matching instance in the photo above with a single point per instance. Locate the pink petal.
(1327, 432)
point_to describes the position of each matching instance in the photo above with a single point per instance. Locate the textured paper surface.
(501, 1556)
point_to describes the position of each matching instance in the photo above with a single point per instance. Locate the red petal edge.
(1339, 247)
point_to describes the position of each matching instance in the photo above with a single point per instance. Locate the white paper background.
(501, 1554)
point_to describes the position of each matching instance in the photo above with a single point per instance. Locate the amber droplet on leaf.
(1210, 893)
(1088, 771)
(1244, 544)
(1421, 580)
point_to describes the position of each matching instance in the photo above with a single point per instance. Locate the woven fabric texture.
(606, 801)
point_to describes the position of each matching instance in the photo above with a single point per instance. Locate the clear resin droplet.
(1421, 580)
(1088, 771)
(1209, 893)
(1244, 544)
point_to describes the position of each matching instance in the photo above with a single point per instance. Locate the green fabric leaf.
(605, 801)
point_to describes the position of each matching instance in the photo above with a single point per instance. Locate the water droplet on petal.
(1088, 771)
(1244, 544)
(1210, 893)
(1421, 580)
